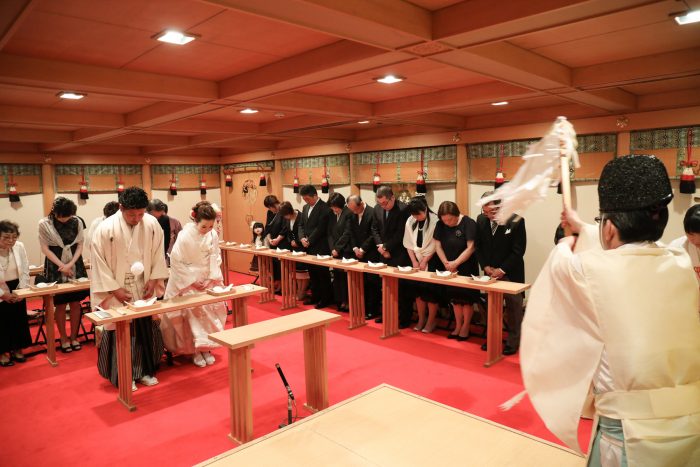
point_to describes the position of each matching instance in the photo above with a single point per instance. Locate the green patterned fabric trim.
(185, 169)
(606, 142)
(20, 169)
(663, 138)
(397, 156)
(267, 165)
(333, 160)
(98, 169)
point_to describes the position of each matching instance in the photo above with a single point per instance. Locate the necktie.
(386, 214)
(494, 226)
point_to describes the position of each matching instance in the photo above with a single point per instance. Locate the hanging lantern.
(295, 184)
(377, 179)
(229, 180)
(688, 175)
(420, 180)
(202, 184)
(14, 196)
(500, 179)
(324, 181)
(83, 186)
(173, 185)
(263, 180)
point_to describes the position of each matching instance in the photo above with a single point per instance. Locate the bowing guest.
(61, 237)
(127, 265)
(291, 217)
(313, 231)
(274, 234)
(14, 274)
(195, 265)
(500, 249)
(455, 244)
(171, 226)
(339, 243)
(690, 242)
(420, 245)
(364, 249)
(390, 216)
(109, 209)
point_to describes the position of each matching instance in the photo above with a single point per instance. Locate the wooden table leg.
(50, 330)
(390, 306)
(124, 363)
(356, 299)
(240, 312)
(289, 296)
(224, 265)
(266, 279)
(240, 388)
(316, 368)
(494, 331)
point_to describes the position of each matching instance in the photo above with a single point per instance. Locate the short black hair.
(336, 200)
(641, 225)
(308, 190)
(691, 221)
(286, 209)
(157, 205)
(270, 201)
(385, 191)
(133, 198)
(10, 227)
(110, 208)
(417, 204)
(63, 207)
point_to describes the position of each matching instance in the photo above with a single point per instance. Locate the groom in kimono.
(612, 328)
(128, 265)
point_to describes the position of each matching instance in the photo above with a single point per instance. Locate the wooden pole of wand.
(565, 181)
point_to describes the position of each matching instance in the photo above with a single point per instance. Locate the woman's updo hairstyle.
(203, 211)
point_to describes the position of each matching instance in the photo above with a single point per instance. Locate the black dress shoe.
(404, 325)
(378, 320)
(462, 338)
(19, 358)
(453, 336)
(309, 301)
(483, 346)
(508, 350)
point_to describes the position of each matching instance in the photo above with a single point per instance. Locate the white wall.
(26, 214)
(180, 205)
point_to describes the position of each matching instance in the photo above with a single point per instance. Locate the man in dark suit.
(500, 250)
(313, 232)
(364, 249)
(339, 243)
(390, 217)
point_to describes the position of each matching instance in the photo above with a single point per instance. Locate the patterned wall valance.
(395, 156)
(262, 166)
(99, 178)
(27, 178)
(76, 169)
(668, 144)
(594, 152)
(439, 165)
(184, 169)
(187, 177)
(333, 160)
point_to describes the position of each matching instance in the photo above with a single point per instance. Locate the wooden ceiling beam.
(12, 14)
(311, 103)
(39, 116)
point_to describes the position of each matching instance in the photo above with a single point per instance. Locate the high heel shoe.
(462, 338)
(429, 328)
(419, 327)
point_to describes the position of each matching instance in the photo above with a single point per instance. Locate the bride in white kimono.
(195, 263)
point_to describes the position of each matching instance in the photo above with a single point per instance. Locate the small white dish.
(144, 303)
(375, 265)
(443, 273)
(244, 245)
(246, 287)
(43, 285)
(281, 250)
(481, 278)
(222, 289)
(298, 253)
(323, 257)
(405, 268)
(348, 260)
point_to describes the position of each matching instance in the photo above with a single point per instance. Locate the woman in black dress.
(455, 237)
(275, 234)
(14, 274)
(61, 240)
(292, 218)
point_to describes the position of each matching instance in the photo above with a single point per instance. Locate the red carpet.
(69, 415)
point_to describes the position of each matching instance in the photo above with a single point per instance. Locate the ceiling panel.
(233, 114)
(433, 5)
(38, 97)
(690, 82)
(521, 104)
(377, 92)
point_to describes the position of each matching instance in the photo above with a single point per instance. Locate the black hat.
(629, 183)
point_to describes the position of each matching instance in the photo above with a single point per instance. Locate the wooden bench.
(123, 316)
(239, 342)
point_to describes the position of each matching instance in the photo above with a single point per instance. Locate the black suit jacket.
(276, 226)
(315, 228)
(338, 233)
(361, 234)
(389, 232)
(503, 250)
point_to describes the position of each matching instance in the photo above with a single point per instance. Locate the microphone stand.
(290, 396)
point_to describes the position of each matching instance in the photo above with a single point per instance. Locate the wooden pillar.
(623, 143)
(462, 188)
(146, 179)
(354, 187)
(224, 205)
(48, 188)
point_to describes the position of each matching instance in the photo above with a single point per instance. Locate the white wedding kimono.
(616, 334)
(194, 257)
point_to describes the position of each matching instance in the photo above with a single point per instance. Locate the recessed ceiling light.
(500, 103)
(175, 37)
(687, 17)
(71, 95)
(363, 122)
(248, 110)
(389, 79)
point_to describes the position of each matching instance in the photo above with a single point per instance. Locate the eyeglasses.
(599, 219)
